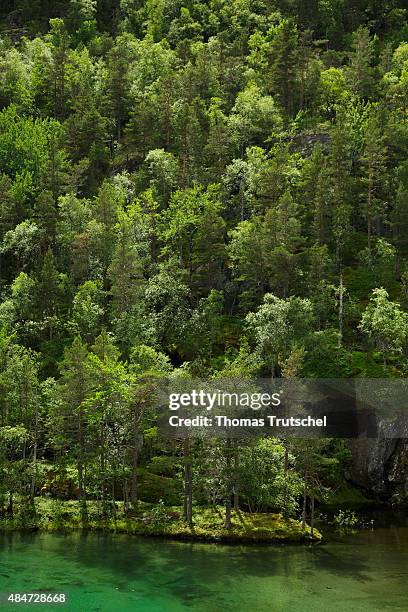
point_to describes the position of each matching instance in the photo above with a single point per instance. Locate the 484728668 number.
(36, 598)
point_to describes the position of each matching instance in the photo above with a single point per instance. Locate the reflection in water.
(366, 572)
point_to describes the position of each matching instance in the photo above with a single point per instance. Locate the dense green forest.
(193, 189)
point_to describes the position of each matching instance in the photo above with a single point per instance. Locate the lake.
(363, 573)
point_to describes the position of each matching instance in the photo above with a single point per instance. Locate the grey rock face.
(380, 466)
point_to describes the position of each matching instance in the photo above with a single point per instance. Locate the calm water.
(362, 573)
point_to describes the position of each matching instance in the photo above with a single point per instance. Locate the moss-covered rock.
(153, 487)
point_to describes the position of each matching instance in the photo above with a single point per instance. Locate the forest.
(202, 190)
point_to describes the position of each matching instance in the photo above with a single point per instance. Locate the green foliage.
(325, 358)
(345, 520)
(158, 516)
(264, 484)
(28, 147)
(278, 324)
(199, 189)
(385, 324)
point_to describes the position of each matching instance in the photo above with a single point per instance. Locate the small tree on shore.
(385, 324)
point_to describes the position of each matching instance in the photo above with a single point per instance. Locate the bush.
(346, 519)
(162, 465)
(158, 516)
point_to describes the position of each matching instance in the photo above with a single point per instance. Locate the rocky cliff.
(380, 467)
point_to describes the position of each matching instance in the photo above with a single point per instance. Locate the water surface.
(363, 573)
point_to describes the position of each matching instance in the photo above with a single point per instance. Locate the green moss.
(153, 487)
(208, 523)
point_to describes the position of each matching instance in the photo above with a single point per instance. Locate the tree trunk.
(228, 512)
(304, 506)
(370, 211)
(82, 492)
(80, 469)
(188, 483)
(133, 486)
(125, 495)
(236, 484)
(34, 475)
(135, 457)
(312, 514)
(33, 478)
(340, 311)
(10, 509)
(228, 486)
(338, 253)
(113, 499)
(286, 489)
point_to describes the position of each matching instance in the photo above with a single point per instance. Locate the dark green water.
(363, 573)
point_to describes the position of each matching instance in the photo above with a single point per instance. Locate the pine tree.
(361, 72)
(339, 193)
(72, 416)
(373, 163)
(283, 64)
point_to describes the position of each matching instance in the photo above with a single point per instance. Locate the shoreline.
(187, 538)
(208, 524)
